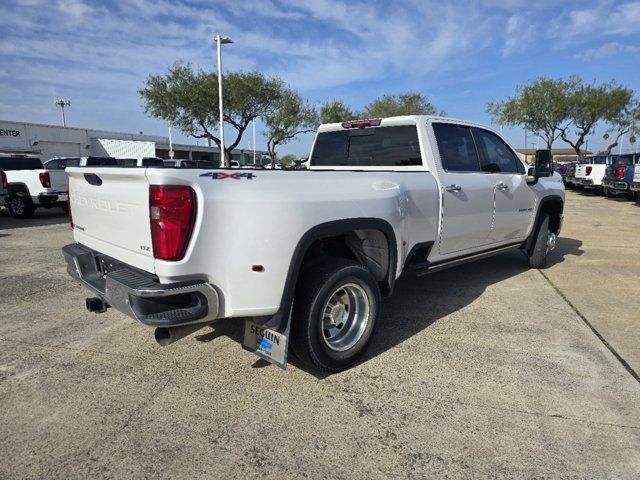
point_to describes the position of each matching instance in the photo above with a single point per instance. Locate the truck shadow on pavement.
(418, 302)
(41, 217)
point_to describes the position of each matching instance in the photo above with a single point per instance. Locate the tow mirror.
(543, 166)
(544, 163)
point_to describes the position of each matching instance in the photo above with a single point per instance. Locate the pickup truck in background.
(591, 171)
(569, 175)
(635, 181)
(619, 175)
(304, 256)
(27, 184)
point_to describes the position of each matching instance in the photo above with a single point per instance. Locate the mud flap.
(264, 339)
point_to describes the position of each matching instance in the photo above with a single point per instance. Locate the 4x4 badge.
(234, 176)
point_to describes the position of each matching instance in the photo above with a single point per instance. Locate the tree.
(626, 122)
(336, 111)
(289, 117)
(288, 159)
(401, 104)
(540, 106)
(189, 100)
(590, 104)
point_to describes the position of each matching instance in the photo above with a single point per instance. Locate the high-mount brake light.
(589, 169)
(45, 180)
(375, 122)
(172, 212)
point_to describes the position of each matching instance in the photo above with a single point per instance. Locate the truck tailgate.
(110, 212)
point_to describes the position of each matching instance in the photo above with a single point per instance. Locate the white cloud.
(607, 50)
(519, 34)
(604, 19)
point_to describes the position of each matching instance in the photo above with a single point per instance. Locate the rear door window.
(368, 147)
(496, 156)
(457, 149)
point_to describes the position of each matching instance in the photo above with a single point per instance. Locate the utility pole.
(62, 102)
(254, 141)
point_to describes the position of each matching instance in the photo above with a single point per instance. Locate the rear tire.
(334, 314)
(544, 242)
(20, 207)
(607, 192)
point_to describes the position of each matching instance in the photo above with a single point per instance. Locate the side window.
(456, 147)
(497, 156)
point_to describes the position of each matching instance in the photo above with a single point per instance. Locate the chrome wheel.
(551, 241)
(17, 206)
(345, 317)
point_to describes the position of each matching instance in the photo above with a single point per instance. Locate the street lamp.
(221, 41)
(62, 102)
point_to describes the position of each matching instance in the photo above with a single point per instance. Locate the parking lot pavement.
(479, 371)
(603, 280)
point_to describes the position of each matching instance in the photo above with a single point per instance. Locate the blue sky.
(460, 54)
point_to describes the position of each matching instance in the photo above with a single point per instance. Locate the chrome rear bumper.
(137, 294)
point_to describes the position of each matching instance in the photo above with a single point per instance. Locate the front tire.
(334, 314)
(20, 207)
(544, 242)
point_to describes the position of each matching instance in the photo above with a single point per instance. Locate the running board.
(436, 267)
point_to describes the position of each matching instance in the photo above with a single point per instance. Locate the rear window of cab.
(368, 147)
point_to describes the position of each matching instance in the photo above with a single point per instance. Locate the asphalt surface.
(486, 370)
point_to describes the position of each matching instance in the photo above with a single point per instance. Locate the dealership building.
(47, 141)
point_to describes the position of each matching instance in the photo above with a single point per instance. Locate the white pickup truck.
(27, 185)
(590, 172)
(635, 182)
(305, 255)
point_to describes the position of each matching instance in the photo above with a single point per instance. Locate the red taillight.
(69, 204)
(45, 180)
(172, 211)
(564, 169)
(620, 173)
(588, 169)
(362, 123)
(5, 182)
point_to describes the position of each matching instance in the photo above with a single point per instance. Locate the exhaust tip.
(96, 305)
(168, 335)
(162, 336)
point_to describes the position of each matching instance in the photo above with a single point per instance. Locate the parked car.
(590, 172)
(189, 164)
(635, 181)
(619, 175)
(60, 163)
(27, 184)
(176, 249)
(140, 162)
(569, 176)
(16, 162)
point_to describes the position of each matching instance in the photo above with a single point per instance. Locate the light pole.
(62, 102)
(171, 154)
(221, 41)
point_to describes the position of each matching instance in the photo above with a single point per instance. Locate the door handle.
(453, 188)
(502, 186)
